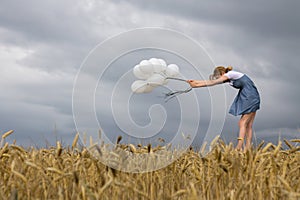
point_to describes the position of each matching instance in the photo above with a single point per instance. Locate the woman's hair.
(218, 71)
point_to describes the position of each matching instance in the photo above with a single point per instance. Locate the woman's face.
(217, 75)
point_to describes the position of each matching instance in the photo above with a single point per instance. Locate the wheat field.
(266, 172)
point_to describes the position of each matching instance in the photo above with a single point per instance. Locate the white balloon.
(146, 67)
(148, 88)
(141, 86)
(157, 66)
(137, 85)
(156, 80)
(144, 62)
(172, 70)
(162, 62)
(139, 74)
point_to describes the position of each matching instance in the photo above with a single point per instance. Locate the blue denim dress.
(247, 100)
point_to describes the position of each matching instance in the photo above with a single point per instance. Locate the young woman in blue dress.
(246, 103)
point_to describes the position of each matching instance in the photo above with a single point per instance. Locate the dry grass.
(267, 172)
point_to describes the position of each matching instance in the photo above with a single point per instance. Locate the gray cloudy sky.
(43, 44)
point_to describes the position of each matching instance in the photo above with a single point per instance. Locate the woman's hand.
(193, 83)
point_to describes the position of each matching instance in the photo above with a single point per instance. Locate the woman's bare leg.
(243, 125)
(249, 131)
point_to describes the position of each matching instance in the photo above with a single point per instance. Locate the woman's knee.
(243, 123)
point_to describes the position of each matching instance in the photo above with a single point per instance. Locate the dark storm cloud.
(267, 29)
(45, 22)
(59, 33)
(272, 18)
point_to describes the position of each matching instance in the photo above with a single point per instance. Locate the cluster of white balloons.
(153, 72)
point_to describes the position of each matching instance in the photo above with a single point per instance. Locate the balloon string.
(178, 79)
(173, 94)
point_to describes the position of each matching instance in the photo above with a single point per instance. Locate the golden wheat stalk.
(266, 148)
(285, 183)
(132, 148)
(7, 134)
(18, 174)
(52, 169)
(178, 193)
(74, 143)
(295, 140)
(4, 136)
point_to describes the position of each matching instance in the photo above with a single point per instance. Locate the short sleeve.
(229, 75)
(233, 75)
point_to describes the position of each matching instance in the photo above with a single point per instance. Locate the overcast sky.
(44, 43)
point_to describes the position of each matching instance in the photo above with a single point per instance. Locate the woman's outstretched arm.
(207, 83)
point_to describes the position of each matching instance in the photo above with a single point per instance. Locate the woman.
(246, 103)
